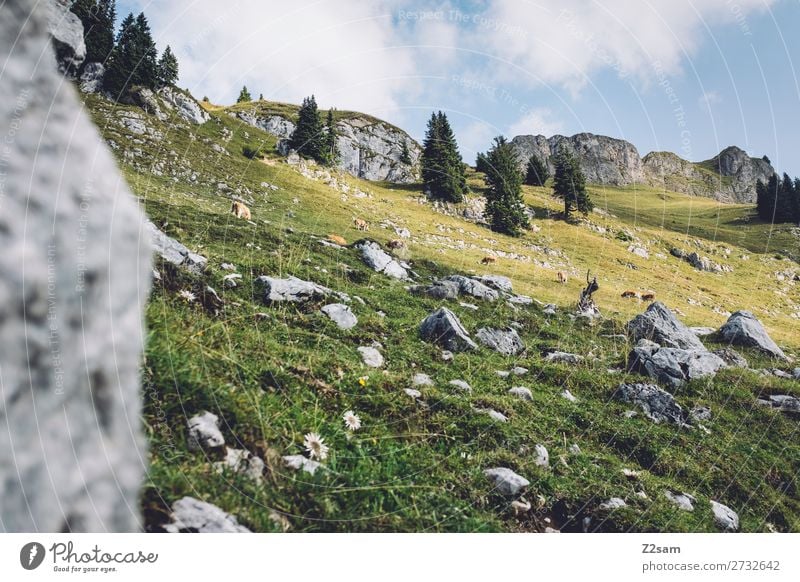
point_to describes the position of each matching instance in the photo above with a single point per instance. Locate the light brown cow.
(488, 260)
(631, 294)
(360, 224)
(562, 277)
(335, 238)
(395, 244)
(240, 210)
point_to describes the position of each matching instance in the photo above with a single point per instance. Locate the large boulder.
(174, 252)
(184, 105)
(659, 405)
(504, 341)
(673, 367)
(659, 324)
(744, 329)
(473, 287)
(66, 31)
(380, 261)
(74, 275)
(442, 327)
(291, 289)
(190, 515)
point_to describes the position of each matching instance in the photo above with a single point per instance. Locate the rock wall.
(369, 149)
(74, 276)
(66, 30)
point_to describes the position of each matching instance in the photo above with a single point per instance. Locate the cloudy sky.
(689, 76)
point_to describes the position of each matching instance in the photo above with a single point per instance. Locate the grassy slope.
(417, 466)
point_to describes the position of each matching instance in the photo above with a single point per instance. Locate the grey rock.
(174, 252)
(371, 357)
(442, 290)
(702, 331)
(495, 415)
(682, 501)
(724, 517)
(731, 357)
(672, 366)
(660, 325)
(74, 276)
(341, 315)
(204, 432)
(519, 371)
(575, 449)
(413, 393)
(444, 328)
(66, 31)
(472, 287)
(461, 385)
(521, 392)
(781, 402)
(657, 404)
(519, 300)
(498, 282)
(700, 413)
(506, 482)
(563, 358)
(299, 462)
(549, 309)
(380, 261)
(541, 458)
(744, 329)
(242, 462)
(184, 105)
(796, 373)
(92, 77)
(421, 380)
(567, 395)
(291, 289)
(191, 515)
(503, 373)
(146, 99)
(506, 342)
(612, 504)
(447, 356)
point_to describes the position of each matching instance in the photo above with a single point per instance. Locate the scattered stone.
(497, 282)
(298, 462)
(700, 413)
(575, 449)
(494, 414)
(563, 358)
(204, 432)
(673, 366)
(413, 393)
(731, 357)
(371, 356)
(781, 402)
(682, 501)
(657, 404)
(291, 289)
(421, 380)
(639, 251)
(468, 306)
(702, 331)
(229, 280)
(724, 517)
(630, 473)
(444, 328)
(174, 252)
(91, 80)
(744, 329)
(796, 373)
(461, 385)
(341, 315)
(447, 356)
(521, 392)
(549, 309)
(380, 261)
(506, 482)
(781, 374)
(506, 342)
(190, 515)
(473, 287)
(228, 267)
(402, 232)
(503, 373)
(184, 105)
(242, 461)
(520, 506)
(659, 324)
(541, 458)
(612, 504)
(568, 395)
(520, 371)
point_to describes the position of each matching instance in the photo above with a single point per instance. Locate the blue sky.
(689, 76)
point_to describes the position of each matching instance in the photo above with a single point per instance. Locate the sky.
(687, 76)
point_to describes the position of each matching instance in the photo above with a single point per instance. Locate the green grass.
(417, 465)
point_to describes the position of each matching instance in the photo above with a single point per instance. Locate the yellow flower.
(363, 381)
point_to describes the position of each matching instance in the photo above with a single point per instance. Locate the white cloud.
(536, 122)
(709, 98)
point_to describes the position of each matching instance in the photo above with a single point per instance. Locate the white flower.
(351, 420)
(315, 446)
(187, 295)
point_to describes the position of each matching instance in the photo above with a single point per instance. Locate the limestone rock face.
(74, 275)
(66, 31)
(184, 105)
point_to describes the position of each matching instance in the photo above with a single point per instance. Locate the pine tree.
(536, 172)
(784, 206)
(443, 172)
(331, 151)
(97, 17)
(308, 137)
(244, 95)
(569, 184)
(260, 96)
(167, 68)
(405, 154)
(481, 165)
(133, 60)
(504, 207)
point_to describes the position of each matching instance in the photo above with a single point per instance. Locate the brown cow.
(360, 224)
(649, 296)
(630, 294)
(335, 238)
(488, 260)
(395, 244)
(562, 277)
(240, 210)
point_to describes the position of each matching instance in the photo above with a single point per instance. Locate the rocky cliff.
(730, 176)
(369, 148)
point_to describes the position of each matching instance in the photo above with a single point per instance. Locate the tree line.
(130, 56)
(779, 199)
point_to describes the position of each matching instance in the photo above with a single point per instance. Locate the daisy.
(316, 446)
(187, 295)
(351, 420)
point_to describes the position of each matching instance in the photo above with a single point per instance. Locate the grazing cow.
(240, 210)
(335, 238)
(395, 244)
(648, 296)
(630, 294)
(488, 260)
(360, 224)
(562, 277)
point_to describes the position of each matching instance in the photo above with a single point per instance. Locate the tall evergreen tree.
(330, 154)
(244, 95)
(504, 207)
(133, 60)
(260, 96)
(481, 164)
(536, 173)
(443, 172)
(405, 154)
(569, 184)
(167, 68)
(97, 17)
(308, 137)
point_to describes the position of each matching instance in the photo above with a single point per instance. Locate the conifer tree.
(308, 137)
(505, 209)
(443, 172)
(97, 17)
(481, 164)
(133, 60)
(569, 184)
(536, 173)
(244, 95)
(331, 152)
(405, 154)
(260, 96)
(167, 68)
